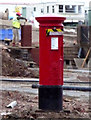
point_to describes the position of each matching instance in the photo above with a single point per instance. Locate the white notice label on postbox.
(54, 43)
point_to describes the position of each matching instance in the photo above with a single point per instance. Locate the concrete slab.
(89, 64)
(79, 62)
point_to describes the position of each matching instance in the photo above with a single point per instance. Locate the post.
(26, 35)
(50, 62)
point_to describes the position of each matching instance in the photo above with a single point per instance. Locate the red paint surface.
(50, 61)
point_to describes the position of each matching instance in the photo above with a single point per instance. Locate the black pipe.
(37, 80)
(75, 88)
(18, 80)
(35, 85)
(78, 82)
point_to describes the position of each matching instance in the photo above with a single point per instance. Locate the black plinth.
(50, 98)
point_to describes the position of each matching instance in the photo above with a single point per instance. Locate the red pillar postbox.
(50, 62)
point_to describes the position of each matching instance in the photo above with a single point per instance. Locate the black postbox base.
(50, 98)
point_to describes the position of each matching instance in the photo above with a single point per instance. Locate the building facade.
(74, 12)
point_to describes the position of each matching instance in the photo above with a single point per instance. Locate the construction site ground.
(76, 104)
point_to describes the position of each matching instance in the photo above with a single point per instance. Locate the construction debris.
(5, 113)
(12, 104)
(28, 107)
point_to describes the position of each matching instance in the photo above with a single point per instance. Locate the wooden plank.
(90, 36)
(86, 57)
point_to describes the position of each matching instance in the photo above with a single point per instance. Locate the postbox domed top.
(50, 19)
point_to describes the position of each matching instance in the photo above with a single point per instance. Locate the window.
(34, 8)
(23, 11)
(60, 8)
(79, 9)
(70, 8)
(47, 9)
(42, 10)
(53, 9)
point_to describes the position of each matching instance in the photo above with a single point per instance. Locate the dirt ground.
(27, 107)
(14, 68)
